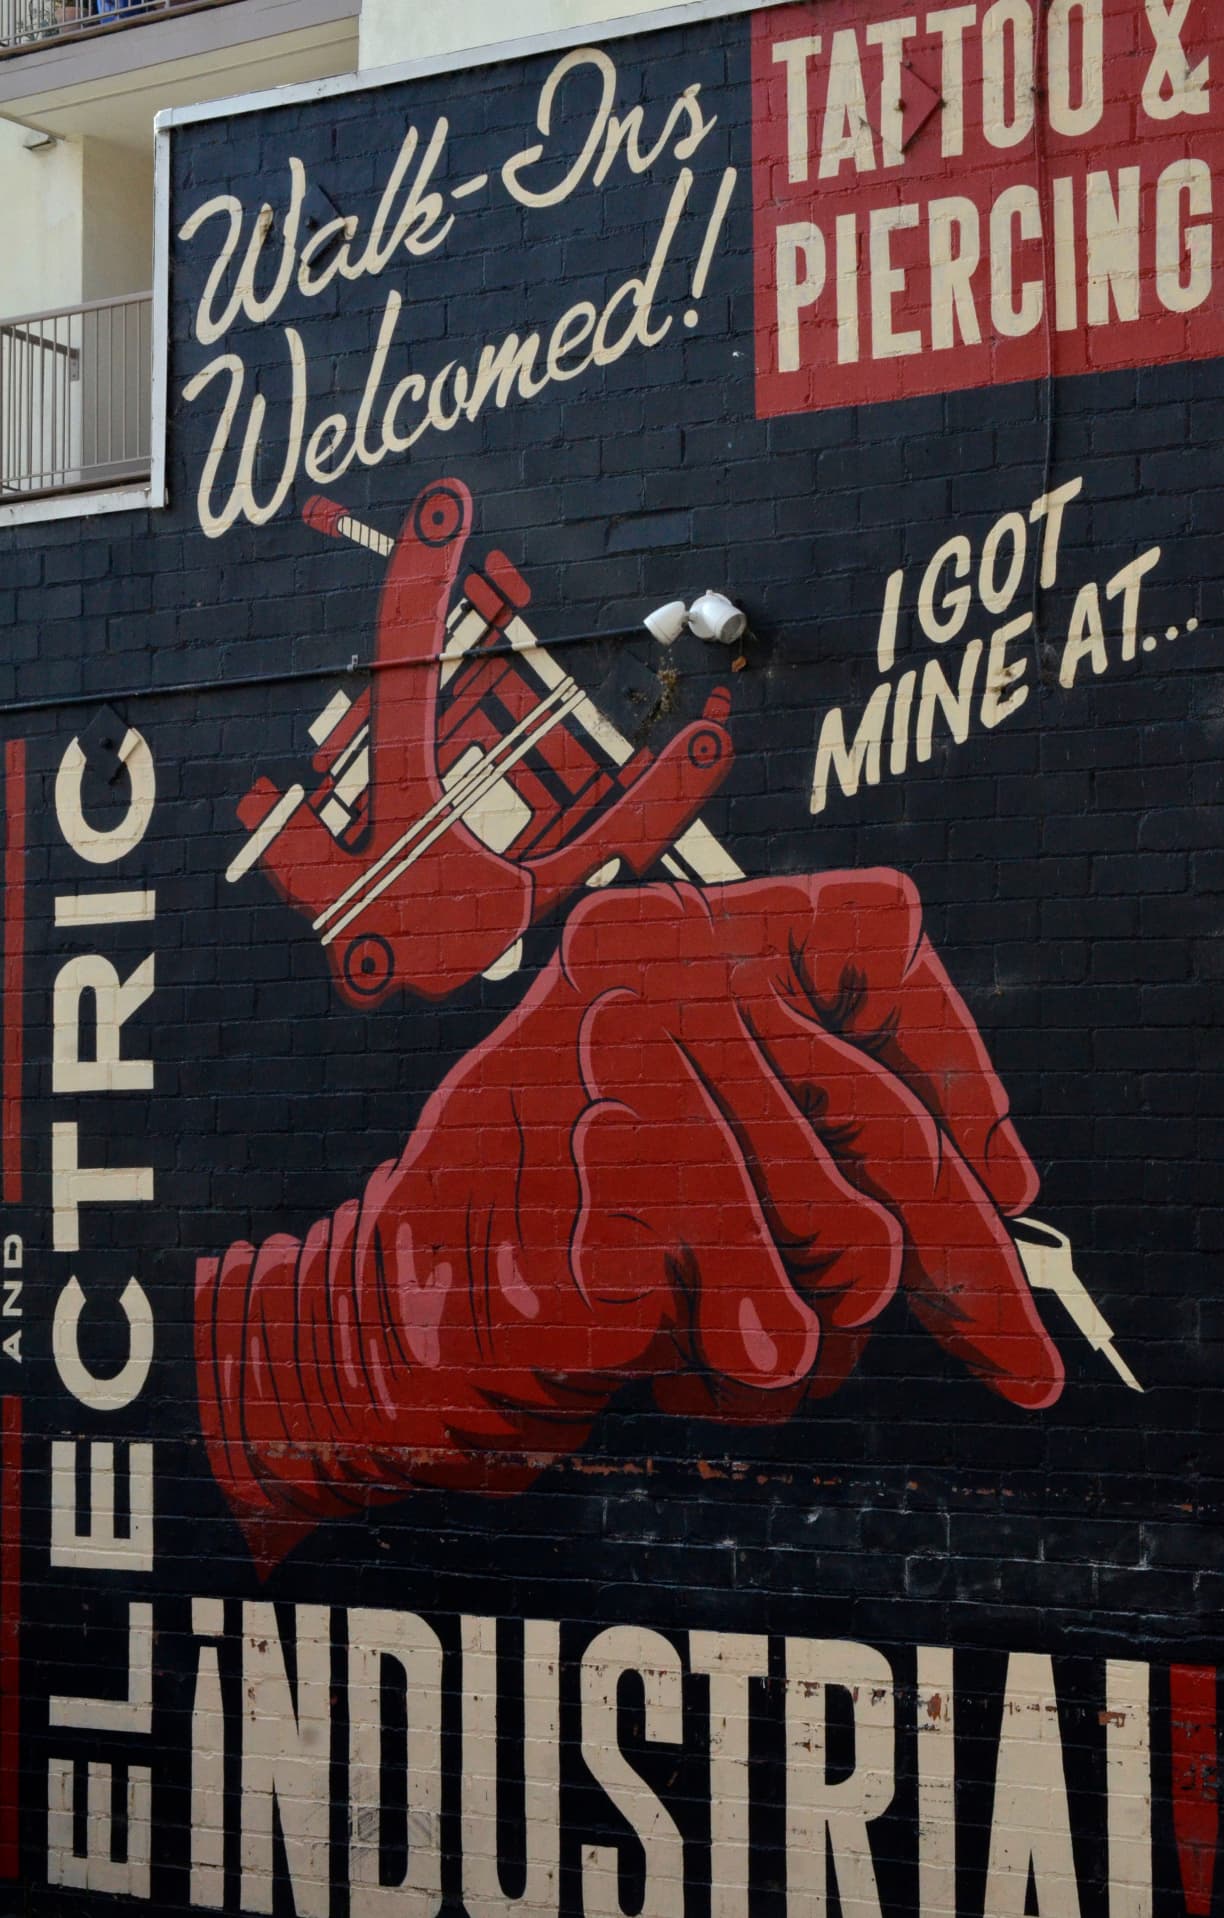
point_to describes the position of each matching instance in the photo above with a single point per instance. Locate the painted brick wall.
(524, 1387)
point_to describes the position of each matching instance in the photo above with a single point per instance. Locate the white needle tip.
(1121, 1368)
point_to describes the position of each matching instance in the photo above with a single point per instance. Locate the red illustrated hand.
(721, 1129)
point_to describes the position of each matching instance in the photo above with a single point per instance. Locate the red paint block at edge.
(1196, 1811)
(10, 1635)
(14, 967)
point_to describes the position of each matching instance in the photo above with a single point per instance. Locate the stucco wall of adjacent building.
(44, 246)
(391, 32)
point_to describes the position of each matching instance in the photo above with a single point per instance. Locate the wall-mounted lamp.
(711, 617)
(667, 623)
(38, 140)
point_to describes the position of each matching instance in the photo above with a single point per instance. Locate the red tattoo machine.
(475, 787)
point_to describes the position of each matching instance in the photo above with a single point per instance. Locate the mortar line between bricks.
(63, 700)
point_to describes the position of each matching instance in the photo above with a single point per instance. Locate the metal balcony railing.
(75, 396)
(31, 23)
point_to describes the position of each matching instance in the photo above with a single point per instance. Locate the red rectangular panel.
(962, 195)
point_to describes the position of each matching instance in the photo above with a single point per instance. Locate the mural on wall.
(765, 1106)
(609, 1098)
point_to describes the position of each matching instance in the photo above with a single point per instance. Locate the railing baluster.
(29, 24)
(30, 421)
(46, 397)
(60, 427)
(103, 448)
(95, 398)
(53, 439)
(110, 386)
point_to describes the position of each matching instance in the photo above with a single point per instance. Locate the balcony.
(32, 23)
(75, 398)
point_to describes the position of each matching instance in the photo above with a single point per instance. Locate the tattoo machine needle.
(1046, 1257)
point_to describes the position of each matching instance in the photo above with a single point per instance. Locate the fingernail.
(1011, 1176)
(1042, 1386)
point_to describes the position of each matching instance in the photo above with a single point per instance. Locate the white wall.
(117, 229)
(41, 194)
(78, 222)
(394, 30)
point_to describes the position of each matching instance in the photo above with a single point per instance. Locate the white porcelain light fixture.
(667, 623)
(714, 617)
(711, 617)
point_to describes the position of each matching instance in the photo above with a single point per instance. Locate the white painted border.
(111, 499)
(301, 91)
(160, 317)
(154, 494)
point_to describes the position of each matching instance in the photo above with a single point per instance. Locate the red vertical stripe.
(1196, 1813)
(14, 967)
(13, 1018)
(10, 1635)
